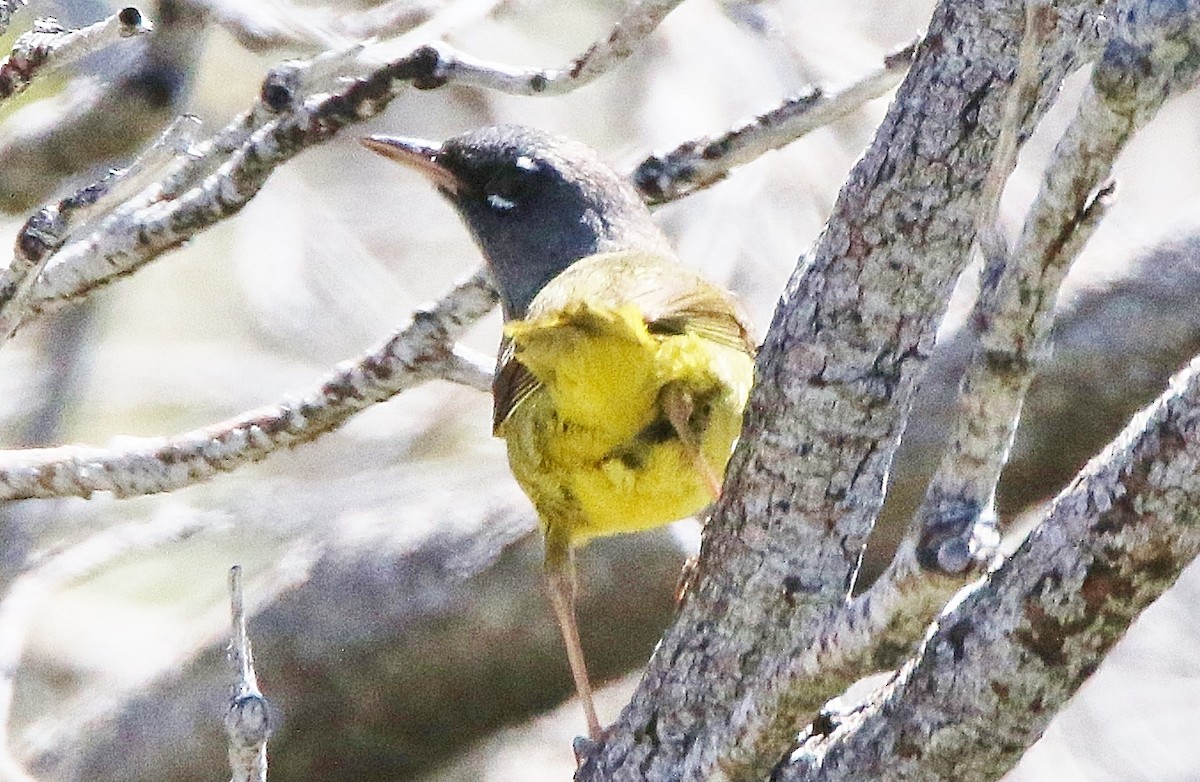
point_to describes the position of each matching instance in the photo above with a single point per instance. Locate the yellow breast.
(591, 444)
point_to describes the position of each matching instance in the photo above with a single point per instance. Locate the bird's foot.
(588, 747)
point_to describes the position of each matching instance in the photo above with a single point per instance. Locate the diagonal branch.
(699, 164)
(50, 45)
(1015, 309)
(49, 228)
(301, 104)
(444, 64)
(867, 633)
(421, 351)
(980, 692)
(93, 122)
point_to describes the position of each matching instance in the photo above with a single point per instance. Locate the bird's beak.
(417, 154)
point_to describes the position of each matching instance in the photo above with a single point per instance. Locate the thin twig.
(248, 720)
(468, 368)
(301, 104)
(696, 165)
(49, 228)
(955, 524)
(447, 64)
(93, 121)
(49, 45)
(1015, 309)
(1021, 96)
(422, 351)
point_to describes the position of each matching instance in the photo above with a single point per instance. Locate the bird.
(622, 374)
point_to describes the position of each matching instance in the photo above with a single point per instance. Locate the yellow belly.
(592, 446)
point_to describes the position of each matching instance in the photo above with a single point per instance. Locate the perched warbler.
(622, 374)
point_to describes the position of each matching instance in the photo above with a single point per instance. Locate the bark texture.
(834, 384)
(1011, 652)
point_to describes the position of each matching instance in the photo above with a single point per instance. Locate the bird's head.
(534, 202)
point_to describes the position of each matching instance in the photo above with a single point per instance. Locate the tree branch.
(421, 351)
(50, 45)
(49, 228)
(1010, 653)
(95, 122)
(298, 109)
(834, 382)
(1015, 309)
(446, 64)
(699, 164)
(248, 721)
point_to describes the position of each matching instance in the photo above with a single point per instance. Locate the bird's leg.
(560, 585)
(678, 404)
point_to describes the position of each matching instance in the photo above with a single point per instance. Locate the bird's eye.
(505, 191)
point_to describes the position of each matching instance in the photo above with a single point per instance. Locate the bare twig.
(248, 720)
(93, 122)
(954, 528)
(696, 165)
(50, 45)
(446, 64)
(19, 606)
(49, 227)
(421, 351)
(301, 104)
(298, 108)
(1021, 95)
(468, 368)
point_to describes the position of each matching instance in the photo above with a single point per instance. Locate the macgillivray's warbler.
(622, 374)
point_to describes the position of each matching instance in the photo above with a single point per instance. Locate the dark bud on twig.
(131, 21)
(278, 90)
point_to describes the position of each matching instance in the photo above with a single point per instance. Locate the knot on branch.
(962, 536)
(248, 721)
(132, 22)
(1119, 73)
(37, 238)
(424, 68)
(279, 88)
(655, 177)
